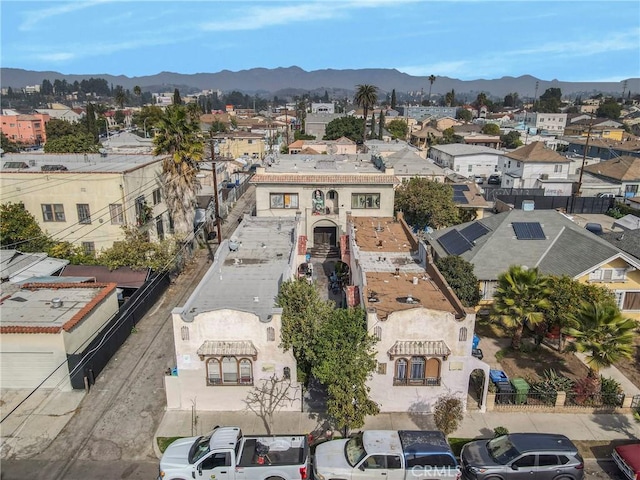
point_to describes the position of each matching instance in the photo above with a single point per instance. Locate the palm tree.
(137, 91)
(366, 98)
(519, 299)
(177, 137)
(120, 96)
(602, 333)
(432, 78)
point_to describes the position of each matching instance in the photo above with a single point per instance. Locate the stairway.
(324, 251)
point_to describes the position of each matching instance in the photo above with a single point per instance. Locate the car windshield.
(199, 449)
(354, 450)
(502, 450)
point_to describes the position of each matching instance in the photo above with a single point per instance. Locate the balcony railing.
(410, 382)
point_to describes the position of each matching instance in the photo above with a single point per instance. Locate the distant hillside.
(269, 81)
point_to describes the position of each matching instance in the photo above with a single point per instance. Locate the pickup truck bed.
(275, 450)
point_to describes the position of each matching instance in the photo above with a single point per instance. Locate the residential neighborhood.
(321, 265)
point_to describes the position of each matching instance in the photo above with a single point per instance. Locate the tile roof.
(625, 168)
(537, 152)
(428, 348)
(219, 348)
(324, 179)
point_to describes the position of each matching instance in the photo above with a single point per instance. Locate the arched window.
(184, 332)
(432, 372)
(271, 334)
(213, 371)
(246, 373)
(462, 336)
(286, 373)
(377, 332)
(229, 370)
(417, 368)
(401, 370)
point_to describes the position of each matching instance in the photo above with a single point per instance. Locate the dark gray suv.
(517, 456)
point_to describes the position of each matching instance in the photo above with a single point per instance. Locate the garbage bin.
(505, 392)
(476, 341)
(522, 390)
(498, 376)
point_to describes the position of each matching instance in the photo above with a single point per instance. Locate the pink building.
(25, 129)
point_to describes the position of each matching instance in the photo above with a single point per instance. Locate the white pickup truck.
(225, 454)
(387, 455)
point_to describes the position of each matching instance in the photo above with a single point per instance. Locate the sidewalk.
(576, 426)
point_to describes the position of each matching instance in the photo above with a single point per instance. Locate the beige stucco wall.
(343, 204)
(191, 383)
(238, 147)
(422, 324)
(80, 335)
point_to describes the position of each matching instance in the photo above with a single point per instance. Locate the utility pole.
(215, 189)
(578, 192)
(535, 98)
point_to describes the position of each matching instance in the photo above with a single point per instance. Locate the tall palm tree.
(177, 137)
(366, 98)
(432, 78)
(602, 333)
(519, 299)
(137, 91)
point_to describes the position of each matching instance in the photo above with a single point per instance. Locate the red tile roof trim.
(105, 290)
(325, 179)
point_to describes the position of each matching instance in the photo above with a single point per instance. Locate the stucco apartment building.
(25, 129)
(227, 334)
(533, 165)
(424, 333)
(87, 199)
(240, 144)
(467, 160)
(42, 323)
(550, 123)
(323, 190)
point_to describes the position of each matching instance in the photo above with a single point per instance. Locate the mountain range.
(291, 80)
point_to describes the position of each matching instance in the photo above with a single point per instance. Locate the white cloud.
(59, 57)
(33, 17)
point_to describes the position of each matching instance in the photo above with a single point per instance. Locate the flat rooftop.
(323, 164)
(33, 310)
(248, 278)
(74, 162)
(395, 278)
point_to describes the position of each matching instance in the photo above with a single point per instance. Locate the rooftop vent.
(53, 168)
(56, 302)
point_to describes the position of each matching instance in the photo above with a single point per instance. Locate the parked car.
(606, 195)
(543, 456)
(388, 454)
(479, 179)
(477, 352)
(494, 179)
(627, 458)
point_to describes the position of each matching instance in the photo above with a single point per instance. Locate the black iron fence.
(85, 367)
(574, 205)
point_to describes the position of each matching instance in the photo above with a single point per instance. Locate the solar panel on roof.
(474, 231)
(460, 188)
(454, 243)
(528, 231)
(15, 165)
(460, 198)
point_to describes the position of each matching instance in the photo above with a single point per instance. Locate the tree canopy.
(138, 252)
(7, 145)
(609, 109)
(350, 127)
(366, 98)
(491, 129)
(459, 275)
(398, 128)
(426, 203)
(511, 139)
(550, 101)
(464, 114)
(19, 229)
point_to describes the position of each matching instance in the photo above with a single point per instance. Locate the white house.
(42, 323)
(467, 160)
(550, 123)
(529, 166)
(227, 334)
(424, 333)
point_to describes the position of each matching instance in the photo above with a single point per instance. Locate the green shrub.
(500, 354)
(499, 431)
(164, 442)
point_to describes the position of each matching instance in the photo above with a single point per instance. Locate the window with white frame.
(557, 168)
(608, 275)
(283, 200)
(84, 216)
(157, 196)
(229, 371)
(630, 301)
(53, 212)
(365, 200)
(116, 213)
(89, 248)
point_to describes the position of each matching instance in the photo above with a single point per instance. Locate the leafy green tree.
(609, 109)
(450, 136)
(432, 79)
(426, 203)
(138, 252)
(511, 139)
(459, 275)
(303, 313)
(57, 128)
(345, 361)
(491, 129)
(90, 119)
(177, 100)
(481, 100)
(366, 98)
(148, 117)
(120, 97)
(381, 125)
(464, 114)
(448, 413)
(450, 98)
(137, 91)
(350, 127)
(565, 294)
(76, 254)
(46, 88)
(602, 333)
(7, 145)
(511, 99)
(218, 126)
(372, 134)
(393, 99)
(77, 143)
(118, 117)
(298, 135)
(398, 128)
(550, 101)
(179, 139)
(19, 229)
(520, 299)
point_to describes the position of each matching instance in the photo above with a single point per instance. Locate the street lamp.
(145, 127)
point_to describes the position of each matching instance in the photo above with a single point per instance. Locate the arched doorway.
(477, 381)
(325, 234)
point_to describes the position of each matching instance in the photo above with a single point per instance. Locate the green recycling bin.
(522, 390)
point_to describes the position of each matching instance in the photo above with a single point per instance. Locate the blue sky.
(580, 40)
